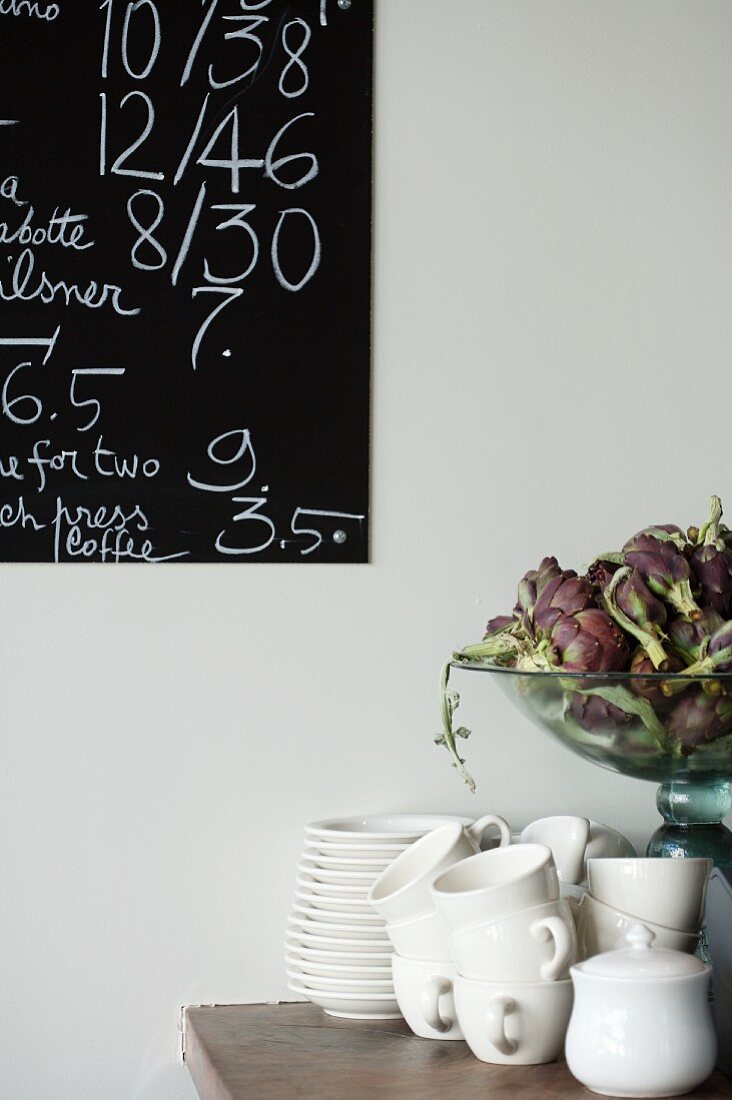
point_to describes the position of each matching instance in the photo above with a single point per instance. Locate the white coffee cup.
(424, 993)
(422, 937)
(567, 837)
(532, 945)
(494, 883)
(669, 892)
(607, 843)
(564, 835)
(601, 928)
(401, 891)
(514, 1023)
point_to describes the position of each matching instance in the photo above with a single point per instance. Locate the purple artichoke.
(699, 718)
(665, 532)
(718, 657)
(563, 595)
(712, 567)
(635, 608)
(664, 568)
(711, 563)
(499, 624)
(596, 715)
(691, 639)
(588, 641)
(600, 573)
(530, 588)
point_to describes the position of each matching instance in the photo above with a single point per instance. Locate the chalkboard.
(185, 273)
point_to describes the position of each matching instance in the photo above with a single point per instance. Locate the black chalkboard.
(185, 257)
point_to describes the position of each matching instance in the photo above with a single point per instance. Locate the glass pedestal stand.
(692, 811)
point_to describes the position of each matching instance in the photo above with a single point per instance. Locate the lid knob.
(640, 937)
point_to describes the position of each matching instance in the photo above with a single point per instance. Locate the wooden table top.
(296, 1052)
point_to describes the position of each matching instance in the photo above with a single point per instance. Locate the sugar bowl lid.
(642, 960)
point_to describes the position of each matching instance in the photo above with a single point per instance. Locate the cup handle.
(555, 929)
(499, 1007)
(577, 869)
(434, 988)
(476, 830)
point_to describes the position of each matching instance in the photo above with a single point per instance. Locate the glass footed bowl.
(671, 729)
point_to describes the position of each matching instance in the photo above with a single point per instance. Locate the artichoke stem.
(710, 530)
(449, 701)
(669, 688)
(682, 599)
(657, 654)
(499, 645)
(710, 663)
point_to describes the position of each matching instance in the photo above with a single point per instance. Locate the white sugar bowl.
(641, 1023)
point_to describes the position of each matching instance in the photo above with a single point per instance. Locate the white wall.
(551, 371)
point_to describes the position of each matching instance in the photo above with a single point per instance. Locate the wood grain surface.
(296, 1052)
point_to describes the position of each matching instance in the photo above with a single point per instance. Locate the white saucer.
(359, 851)
(334, 863)
(333, 904)
(368, 920)
(305, 881)
(349, 973)
(338, 878)
(324, 929)
(341, 943)
(341, 985)
(381, 828)
(351, 1006)
(328, 956)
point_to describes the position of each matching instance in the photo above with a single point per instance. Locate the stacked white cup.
(512, 941)
(666, 895)
(422, 967)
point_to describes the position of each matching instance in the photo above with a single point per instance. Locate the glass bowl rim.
(486, 665)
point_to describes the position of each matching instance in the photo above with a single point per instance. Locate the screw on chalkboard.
(344, 5)
(339, 536)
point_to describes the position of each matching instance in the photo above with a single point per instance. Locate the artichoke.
(588, 641)
(530, 588)
(600, 573)
(699, 718)
(563, 595)
(718, 656)
(713, 569)
(596, 715)
(690, 640)
(711, 563)
(635, 608)
(499, 624)
(662, 565)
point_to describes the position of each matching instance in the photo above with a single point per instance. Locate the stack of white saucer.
(338, 954)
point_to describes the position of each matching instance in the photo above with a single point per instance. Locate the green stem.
(702, 667)
(711, 527)
(710, 663)
(449, 702)
(498, 645)
(681, 597)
